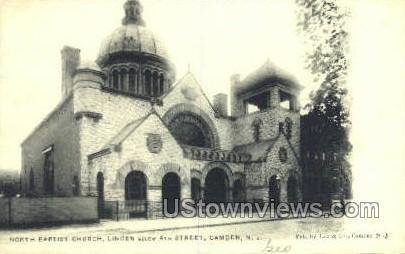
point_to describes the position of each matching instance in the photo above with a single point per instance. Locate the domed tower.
(134, 59)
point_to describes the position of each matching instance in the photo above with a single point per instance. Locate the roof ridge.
(174, 86)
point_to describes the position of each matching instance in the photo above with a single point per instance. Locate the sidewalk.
(166, 224)
(140, 225)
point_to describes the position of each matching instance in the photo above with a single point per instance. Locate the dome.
(133, 59)
(131, 38)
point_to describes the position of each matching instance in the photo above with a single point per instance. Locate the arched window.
(162, 84)
(155, 84)
(190, 129)
(123, 79)
(115, 79)
(132, 81)
(110, 80)
(148, 82)
(256, 126)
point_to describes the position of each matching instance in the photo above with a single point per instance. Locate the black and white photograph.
(202, 126)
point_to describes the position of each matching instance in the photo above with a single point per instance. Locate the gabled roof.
(258, 150)
(270, 73)
(123, 134)
(189, 77)
(126, 131)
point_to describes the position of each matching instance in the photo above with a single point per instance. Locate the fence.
(121, 210)
(47, 211)
(124, 210)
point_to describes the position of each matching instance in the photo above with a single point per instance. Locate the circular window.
(282, 154)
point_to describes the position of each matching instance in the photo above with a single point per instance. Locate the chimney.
(70, 61)
(235, 79)
(221, 104)
(236, 104)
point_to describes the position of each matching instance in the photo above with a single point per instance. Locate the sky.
(214, 39)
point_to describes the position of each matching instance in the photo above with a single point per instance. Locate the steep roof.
(126, 131)
(258, 150)
(268, 72)
(189, 78)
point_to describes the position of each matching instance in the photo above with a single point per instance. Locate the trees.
(322, 24)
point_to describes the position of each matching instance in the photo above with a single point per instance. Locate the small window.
(123, 79)
(155, 84)
(162, 84)
(256, 126)
(131, 84)
(282, 154)
(148, 82)
(115, 79)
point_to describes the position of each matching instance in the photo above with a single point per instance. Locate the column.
(274, 97)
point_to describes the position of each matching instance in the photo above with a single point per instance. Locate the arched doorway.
(292, 189)
(216, 186)
(135, 194)
(170, 191)
(100, 194)
(238, 191)
(274, 189)
(195, 189)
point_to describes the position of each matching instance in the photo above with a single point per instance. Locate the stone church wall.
(116, 111)
(58, 129)
(258, 174)
(181, 94)
(133, 154)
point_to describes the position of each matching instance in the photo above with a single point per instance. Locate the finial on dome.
(133, 13)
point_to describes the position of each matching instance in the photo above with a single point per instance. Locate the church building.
(128, 130)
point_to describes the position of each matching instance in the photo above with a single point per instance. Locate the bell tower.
(268, 96)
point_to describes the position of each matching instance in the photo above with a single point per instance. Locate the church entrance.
(170, 192)
(216, 186)
(292, 189)
(135, 194)
(274, 190)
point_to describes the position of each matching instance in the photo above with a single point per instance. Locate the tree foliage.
(322, 23)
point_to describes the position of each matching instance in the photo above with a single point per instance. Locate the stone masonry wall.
(116, 111)
(59, 130)
(188, 91)
(258, 174)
